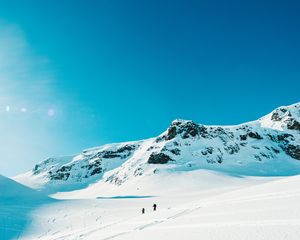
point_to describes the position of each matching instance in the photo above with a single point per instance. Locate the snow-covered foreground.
(17, 202)
(190, 170)
(194, 205)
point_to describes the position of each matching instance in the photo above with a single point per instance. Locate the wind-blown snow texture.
(269, 146)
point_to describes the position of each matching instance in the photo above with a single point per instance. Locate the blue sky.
(77, 74)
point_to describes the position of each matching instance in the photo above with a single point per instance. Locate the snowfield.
(220, 207)
(16, 205)
(209, 182)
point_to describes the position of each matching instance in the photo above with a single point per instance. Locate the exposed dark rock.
(62, 173)
(65, 168)
(39, 167)
(138, 172)
(284, 137)
(96, 170)
(254, 135)
(159, 158)
(109, 154)
(171, 133)
(185, 129)
(192, 129)
(275, 150)
(114, 179)
(264, 155)
(175, 151)
(122, 152)
(159, 139)
(271, 137)
(258, 158)
(60, 176)
(210, 160)
(189, 165)
(221, 133)
(36, 169)
(293, 151)
(275, 117)
(219, 159)
(243, 137)
(255, 147)
(277, 114)
(150, 148)
(207, 150)
(231, 149)
(292, 124)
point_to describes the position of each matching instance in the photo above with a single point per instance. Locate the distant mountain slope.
(17, 203)
(269, 146)
(12, 192)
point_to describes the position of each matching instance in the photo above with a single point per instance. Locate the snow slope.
(12, 191)
(221, 207)
(16, 203)
(269, 146)
(210, 182)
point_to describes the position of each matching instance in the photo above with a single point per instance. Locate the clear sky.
(78, 74)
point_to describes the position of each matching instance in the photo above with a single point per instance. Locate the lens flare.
(23, 110)
(51, 112)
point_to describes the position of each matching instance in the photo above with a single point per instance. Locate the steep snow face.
(269, 146)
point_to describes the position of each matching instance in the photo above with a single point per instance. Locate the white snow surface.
(269, 146)
(209, 182)
(16, 203)
(193, 205)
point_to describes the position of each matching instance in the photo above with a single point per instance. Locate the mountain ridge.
(269, 146)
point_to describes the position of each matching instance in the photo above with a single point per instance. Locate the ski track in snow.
(256, 209)
(185, 212)
(103, 188)
(258, 197)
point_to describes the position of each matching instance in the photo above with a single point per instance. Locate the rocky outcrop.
(293, 124)
(279, 114)
(293, 151)
(122, 152)
(254, 135)
(92, 162)
(159, 158)
(184, 129)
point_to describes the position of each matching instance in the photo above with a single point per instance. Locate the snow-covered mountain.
(269, 146)
(111, 184)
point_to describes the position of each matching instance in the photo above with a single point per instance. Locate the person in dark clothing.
(143, 210)
(154, 207)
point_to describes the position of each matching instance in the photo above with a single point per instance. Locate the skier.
(154, 207)
(143, 210)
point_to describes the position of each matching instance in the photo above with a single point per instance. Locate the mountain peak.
(183, 129)
(283, 118)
